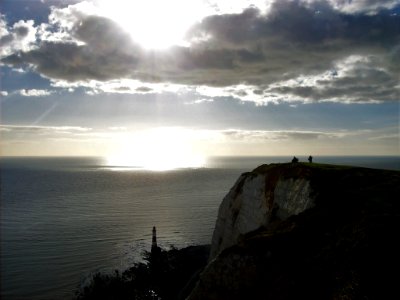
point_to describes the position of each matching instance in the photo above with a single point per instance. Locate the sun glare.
(154, 23)
(158, 150)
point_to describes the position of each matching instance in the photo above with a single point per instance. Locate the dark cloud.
(6, 39)
(72, 62)
(144, 89)
(321, 24)
(298, 23)
(231, 28)
(192, 59)
(104, 37)
(22, 31)
(292, 40)
(298, 39)
(363, 81)
(106, 53)
(13, 38)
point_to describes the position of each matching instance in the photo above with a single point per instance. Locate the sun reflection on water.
(156, 150)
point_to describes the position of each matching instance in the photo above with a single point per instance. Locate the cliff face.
(257, 199)
(306, 231)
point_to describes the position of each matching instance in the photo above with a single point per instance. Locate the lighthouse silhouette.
(155, 250)
(154, 239)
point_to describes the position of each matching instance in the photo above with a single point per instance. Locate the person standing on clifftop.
(310, 159)
(295, 159)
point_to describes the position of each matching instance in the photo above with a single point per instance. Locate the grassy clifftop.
(352, 185)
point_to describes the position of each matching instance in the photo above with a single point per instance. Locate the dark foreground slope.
(164, 275)
(345, 247)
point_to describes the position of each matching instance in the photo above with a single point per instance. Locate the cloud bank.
(297, 51)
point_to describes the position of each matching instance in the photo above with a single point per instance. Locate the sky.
(141, 81)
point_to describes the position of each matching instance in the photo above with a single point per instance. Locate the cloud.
(356, 79)
(390, 137)
(29, 129)
(264, 135)
(35, 93)
(19, 37)
(27, 140)
(97, 48)
(4, 93)
(143, 89)
(365, 6)
(118, 128)
(25, 134)
(199, 101)
(120, 86)
(324, 142)
(284, 53)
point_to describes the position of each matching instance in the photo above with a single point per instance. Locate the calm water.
(64, 218)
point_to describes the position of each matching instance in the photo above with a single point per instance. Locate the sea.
(63, 219)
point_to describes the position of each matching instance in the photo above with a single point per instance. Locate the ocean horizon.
(225, 162)
(65, 218)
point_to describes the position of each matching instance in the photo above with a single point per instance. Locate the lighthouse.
(155, 250)
(154, 239)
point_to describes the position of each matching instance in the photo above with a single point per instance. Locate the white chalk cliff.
(254, 201)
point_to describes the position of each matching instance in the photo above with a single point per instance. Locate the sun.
(155, 24)
(157, 149)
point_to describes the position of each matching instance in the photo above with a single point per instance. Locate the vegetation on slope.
(165, 275)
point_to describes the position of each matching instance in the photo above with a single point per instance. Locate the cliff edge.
(306, 231)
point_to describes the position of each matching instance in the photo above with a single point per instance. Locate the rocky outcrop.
(306, 231)
(258, 198)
